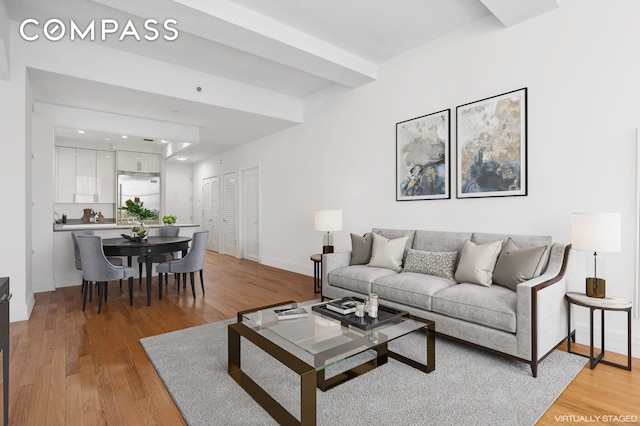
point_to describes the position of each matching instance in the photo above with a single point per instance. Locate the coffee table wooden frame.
(310, 378)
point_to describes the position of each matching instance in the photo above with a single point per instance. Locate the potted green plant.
(136, 209)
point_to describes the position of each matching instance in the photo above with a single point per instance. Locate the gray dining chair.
(191, 263)
(78, 259)
(163, 231)
(97, 269)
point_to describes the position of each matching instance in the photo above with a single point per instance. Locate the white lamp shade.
(596, 232)
(327, 220)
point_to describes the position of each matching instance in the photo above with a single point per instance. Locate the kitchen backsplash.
(75, 211)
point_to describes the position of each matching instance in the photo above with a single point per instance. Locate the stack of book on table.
(343, 306)
(291, 313)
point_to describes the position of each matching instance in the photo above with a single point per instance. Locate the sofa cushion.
(440, 264)
(522, 241)
(493, 306)
(357, 277)
(386, 253)
(361, 248)
(397, 233)
(477, 262)
(440, 240)
(515, 266)
(410, 288)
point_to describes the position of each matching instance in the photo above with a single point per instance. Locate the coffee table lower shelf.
(310, 378)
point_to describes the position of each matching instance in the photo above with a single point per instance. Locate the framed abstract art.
(491, 146)
(423, 157)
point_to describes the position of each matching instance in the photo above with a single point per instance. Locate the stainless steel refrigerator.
(145, 186)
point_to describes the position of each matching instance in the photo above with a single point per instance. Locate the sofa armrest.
(542, 309)
(332, 261)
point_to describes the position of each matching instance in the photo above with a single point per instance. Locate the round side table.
(317, 272)
(604, 304)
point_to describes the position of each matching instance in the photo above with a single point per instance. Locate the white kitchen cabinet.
(129, 161)
(105, 177)
(84, 176)
(149, 162)
(65, 174)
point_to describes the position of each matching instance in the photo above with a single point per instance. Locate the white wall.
(581, 67)
(43, 194)
(15, 165)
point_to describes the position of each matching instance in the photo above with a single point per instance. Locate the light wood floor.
(70, 367)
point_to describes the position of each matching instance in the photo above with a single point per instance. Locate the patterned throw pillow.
(440, 264)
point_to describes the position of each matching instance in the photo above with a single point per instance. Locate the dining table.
(146, 247)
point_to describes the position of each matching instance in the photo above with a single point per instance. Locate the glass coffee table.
(309, 345)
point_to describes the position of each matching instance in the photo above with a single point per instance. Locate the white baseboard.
(289, 266)
(21, 312)
(615, 340)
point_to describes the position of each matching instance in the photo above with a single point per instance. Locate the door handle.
(5, 298)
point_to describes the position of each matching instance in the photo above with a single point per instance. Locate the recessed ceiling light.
(80, 131)
(124, 136)
(106, 139)
(181, 158)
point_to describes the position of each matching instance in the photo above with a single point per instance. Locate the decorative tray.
(130, 238)
(386, 314)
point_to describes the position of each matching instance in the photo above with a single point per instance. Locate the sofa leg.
(534, 368)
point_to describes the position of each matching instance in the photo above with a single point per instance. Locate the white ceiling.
(292, 48)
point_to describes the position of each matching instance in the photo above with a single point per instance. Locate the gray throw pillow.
(477, 263)
(361, 248)
(440, 264)
(515, 266)
(386, 253)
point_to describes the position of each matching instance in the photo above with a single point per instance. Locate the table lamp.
(327, 221)
(596, 232)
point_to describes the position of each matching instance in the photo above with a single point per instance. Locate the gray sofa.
(526, 322)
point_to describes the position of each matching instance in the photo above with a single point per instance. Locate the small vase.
(139, 230)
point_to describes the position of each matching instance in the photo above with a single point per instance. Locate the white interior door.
(211, 211)
(230, 215)
(251, 214)
(178, 197)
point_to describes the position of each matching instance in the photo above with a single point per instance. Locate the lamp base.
(596, 287)
(327, 249)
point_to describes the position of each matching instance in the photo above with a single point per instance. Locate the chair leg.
(177, 277)
(84, 298)
(193, 287)
(105, 291)
(160, 286)
(184, 280)
(120, 283)
(83, 284)
(140, 273)
(100, 291)
(90, 291)
(130, 291)
(201, 281)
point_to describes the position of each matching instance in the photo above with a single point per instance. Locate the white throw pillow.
(477, 263)
(386, 253)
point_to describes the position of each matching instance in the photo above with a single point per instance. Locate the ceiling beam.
(63, 116)
(512, 12)
(227, 23)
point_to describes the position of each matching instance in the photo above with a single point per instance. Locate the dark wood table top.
(123, 247)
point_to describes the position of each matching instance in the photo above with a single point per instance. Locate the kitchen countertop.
(58, 227)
